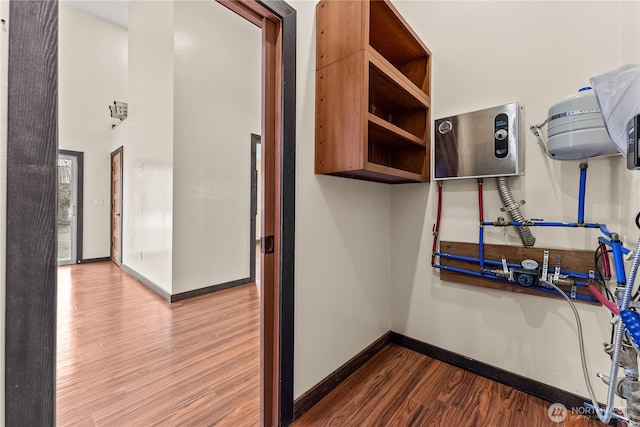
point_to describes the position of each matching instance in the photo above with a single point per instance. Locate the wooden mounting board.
(575, 260)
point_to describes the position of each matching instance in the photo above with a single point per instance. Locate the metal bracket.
(545, 266)
(513, 206)
(505, 267)
(573, 291)
(267, 244)
(556, 270)
(592, 276)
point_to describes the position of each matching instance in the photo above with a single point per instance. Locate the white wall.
(342, 244)
(4, 44)
(485, 54)
(217, 107)
(92, 60)
(147, 135)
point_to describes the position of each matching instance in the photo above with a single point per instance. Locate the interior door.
(116, 206)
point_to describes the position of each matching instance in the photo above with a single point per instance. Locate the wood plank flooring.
(126, 357)
(399, 387)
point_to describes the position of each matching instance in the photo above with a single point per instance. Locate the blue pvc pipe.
(544, 289)
(547, 224)
(605, 230)
(616, 247)
(481, 248)
(470, 259)
(459, 270)
(624, 250)
(581, 194)
(578, 274)
(509, 264)
(499, 279)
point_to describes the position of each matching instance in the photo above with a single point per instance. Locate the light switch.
(98, 202)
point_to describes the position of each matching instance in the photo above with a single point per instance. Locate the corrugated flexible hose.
(513, 210)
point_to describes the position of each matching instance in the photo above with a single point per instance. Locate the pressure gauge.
(529, 264)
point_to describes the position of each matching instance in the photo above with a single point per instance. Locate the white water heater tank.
(577, 130)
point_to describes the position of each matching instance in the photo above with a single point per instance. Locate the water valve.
(527, 275)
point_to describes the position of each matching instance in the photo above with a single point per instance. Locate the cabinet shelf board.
(368, 175)
(399, 79)
(390, 134)
(387, 170)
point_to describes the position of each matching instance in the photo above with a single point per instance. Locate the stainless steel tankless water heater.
(479, 144)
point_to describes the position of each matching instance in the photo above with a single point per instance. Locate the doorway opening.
(31, 164)
(116, 206)
(69, 209)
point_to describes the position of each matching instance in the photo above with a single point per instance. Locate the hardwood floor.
(127, 357)
(399, 387)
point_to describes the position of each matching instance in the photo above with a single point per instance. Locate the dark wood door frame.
(30, 319)
(278, 22)
(32, 152)
(119, 151)
(79, 155)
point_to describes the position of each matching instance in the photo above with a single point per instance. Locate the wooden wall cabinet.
(373, 84)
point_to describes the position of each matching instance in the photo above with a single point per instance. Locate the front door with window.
(67, 209)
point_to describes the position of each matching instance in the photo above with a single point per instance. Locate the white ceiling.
(116, 11)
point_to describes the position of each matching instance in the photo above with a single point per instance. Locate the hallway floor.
(127, 357)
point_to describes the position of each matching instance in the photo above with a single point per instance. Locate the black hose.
(600, 278)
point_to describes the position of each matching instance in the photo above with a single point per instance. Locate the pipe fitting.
(500, 222)
(565, 282)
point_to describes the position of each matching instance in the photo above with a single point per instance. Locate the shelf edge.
(387, 170)
(393, 73)
(408, 136)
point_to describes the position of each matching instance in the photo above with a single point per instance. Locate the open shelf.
(391, 134)
(409, 157)
(392, 38)
(372, 94)
(391, 102)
